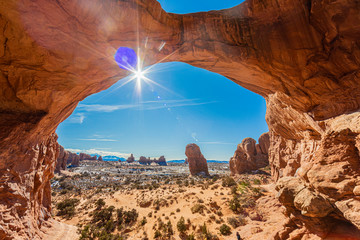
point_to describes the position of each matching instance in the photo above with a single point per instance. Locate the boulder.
(197, 162)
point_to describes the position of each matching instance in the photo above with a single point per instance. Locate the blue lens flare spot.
(126, 58)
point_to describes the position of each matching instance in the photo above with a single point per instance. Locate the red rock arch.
(302, 56)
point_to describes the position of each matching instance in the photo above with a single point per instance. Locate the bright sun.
(139, 75)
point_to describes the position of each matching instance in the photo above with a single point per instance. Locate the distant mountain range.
(113, 158)
(210, 161)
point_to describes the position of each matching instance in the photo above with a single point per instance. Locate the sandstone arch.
(302, 56)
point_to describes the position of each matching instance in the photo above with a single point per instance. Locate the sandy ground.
(178, 202)
(59, 231)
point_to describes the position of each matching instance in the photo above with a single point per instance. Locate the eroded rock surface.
(250, 156)
(197, 162)
(302, 56)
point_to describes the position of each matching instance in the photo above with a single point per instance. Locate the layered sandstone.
(302, 56)
(250, 156)
(197, 162)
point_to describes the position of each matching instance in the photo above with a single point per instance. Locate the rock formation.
(197, 162)
(144, 160)
(131, 159)
(84, 156)
(147, 161)
(74, 159)
(61, 161)
(302, 56)
(250, 156)
(161, 161)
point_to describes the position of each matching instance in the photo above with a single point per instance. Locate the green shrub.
(237, 221)
(197, 208)
(99, 203)
(225, 230)
(228, 181)
(66, 208)
(190, 237)
(181, 226)
(235, 205)
(143, 221)
(157, 234)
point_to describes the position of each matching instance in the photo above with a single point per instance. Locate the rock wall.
(197, 162)
(61, 161)
(250, 156)
(302, 56)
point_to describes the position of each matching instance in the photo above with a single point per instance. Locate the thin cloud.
(97, 139)
(218, 143)
(99, 152)
(77, 118)
(146, 105)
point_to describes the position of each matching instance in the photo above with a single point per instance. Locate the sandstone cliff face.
(61, 161)
(302, 56)
(197, 162)
(250, 156)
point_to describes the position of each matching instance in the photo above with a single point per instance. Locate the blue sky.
(186, 105)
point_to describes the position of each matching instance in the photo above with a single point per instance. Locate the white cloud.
(146, 105)
(99, 152)
(77, 118)
(97, 139)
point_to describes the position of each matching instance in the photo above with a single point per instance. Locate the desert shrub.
(99, 203)
(157, 234)
(102, 216)
(66, 208)
(237, 221)
(225, 230)
(257, 181)
(181, 226)
(197, 208)
(233, 190)
(243, 185)
(228, 181)
(205, 234)
(235, 205)
(190, 237)
(164, 231)
(143, 221)
(126, 217)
